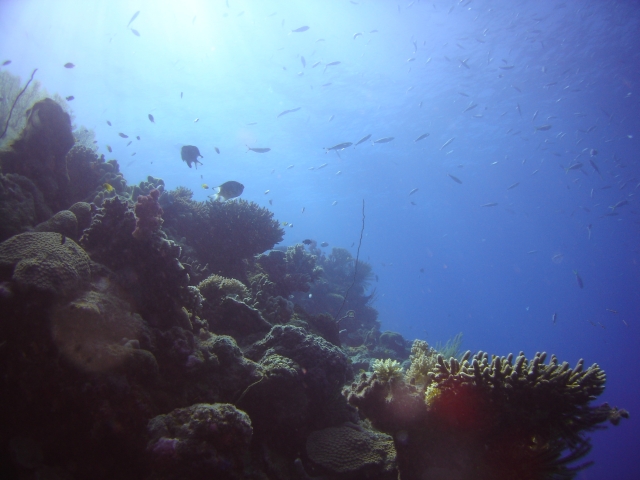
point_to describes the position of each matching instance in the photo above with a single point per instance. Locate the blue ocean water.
(523, 102)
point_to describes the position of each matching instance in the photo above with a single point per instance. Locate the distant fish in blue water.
(384, 140)
(363, 139)
(413, 191)
(135, 32)
(491, 204)
(69, 65)
(578, 279)
(356, 35)
(227, 191)
(455, 179)
(288, 111)
(108, 123)
(511, 187)
(123, 135)
(331, 64)
(190, 154)
(421, 137)
(258, 150)
(303, 61)
(135, 15)
(543, 128)
(300, 29)
(315, 64)
(447, 142)
(151, 119)
(217, 150)
(69, 98)
(6, 62)
(340, 146)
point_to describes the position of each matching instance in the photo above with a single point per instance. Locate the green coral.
(387, 370)
(423, 361)
(216, 287)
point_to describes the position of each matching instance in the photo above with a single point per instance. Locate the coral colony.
(146, 335)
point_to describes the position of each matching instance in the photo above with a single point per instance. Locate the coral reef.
(21, 205)
(87, 175)
(222, 234)
(148, 216)
(387, 370)
(40, 151)
(350, 450)
(64, 222)
(201, 441)
(44, 262)
(487, 420)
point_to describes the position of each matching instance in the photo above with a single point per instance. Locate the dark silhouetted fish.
(228, 190)
(288, 111)
(190, 155)
(455, 179)
(300, 29)
(424, 135)
(69, 65)
(123, 135)
(6, 62)
(108, 123)
(340, 146)
(303, 61)
(135, 32)
(217, 150)
(384, 140)
(151, 119)
(69, 98)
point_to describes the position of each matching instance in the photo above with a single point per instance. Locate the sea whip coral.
(148, 215)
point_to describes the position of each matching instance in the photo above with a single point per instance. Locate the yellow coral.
(387, 370)
(423, 360)
(431, 393)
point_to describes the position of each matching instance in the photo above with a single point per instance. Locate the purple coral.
(148, 215)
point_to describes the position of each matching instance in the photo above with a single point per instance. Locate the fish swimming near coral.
(228, 190)
(108, 187)
(69, 98)
(190, 155)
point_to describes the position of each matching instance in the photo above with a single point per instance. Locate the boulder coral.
(44, 262)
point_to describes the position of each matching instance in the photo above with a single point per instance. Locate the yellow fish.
(205, 186)
(108, 187)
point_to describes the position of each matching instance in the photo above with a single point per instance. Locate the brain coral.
(44, 261)
(352, 449)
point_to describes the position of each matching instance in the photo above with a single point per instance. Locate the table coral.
(353, 450)
(488, 419)
(46, 262)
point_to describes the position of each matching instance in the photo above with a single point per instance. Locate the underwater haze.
(499, 184)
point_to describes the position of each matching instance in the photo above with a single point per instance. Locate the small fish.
(413, 191)
(330, 65)
(227, 191)
(134, 154)
(463, 94)
(334, 203)
(109, 149)
(69, 65)
(356, 35)
(129, 142)
(258, 150)
(300, 29)
(324, 244)
(302, 211)
(322, 166)
(266, 192)
(135, 32)
(303, 61)
(270, 202)
(290, 167)
(196, 120)
(108, 123)
(492, 204)
(108, 187)
(205, 186)
(612, 311)
(455, 179)
(531, 252)
(331, 117)
(470, 107)
(511, 187)
(506, 67)
(543, 128)
(413, 203)
(340, 146)
(535, 114)
(554, 317)
(151, 119)
(217, 150)
(595, 167)
(519, 110)
(123, 135)
(6, 62)
(363, 139)
(619, 204)
(288, 111)
(69, 98)
(315, 64)
(424, 135)
(307, 241)
(384, 140)
(138, 137)
(373, 31)
(448, 142)
(190, 154)
(135, 15)
(180, 94)
(578, 279)
(574, 166)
